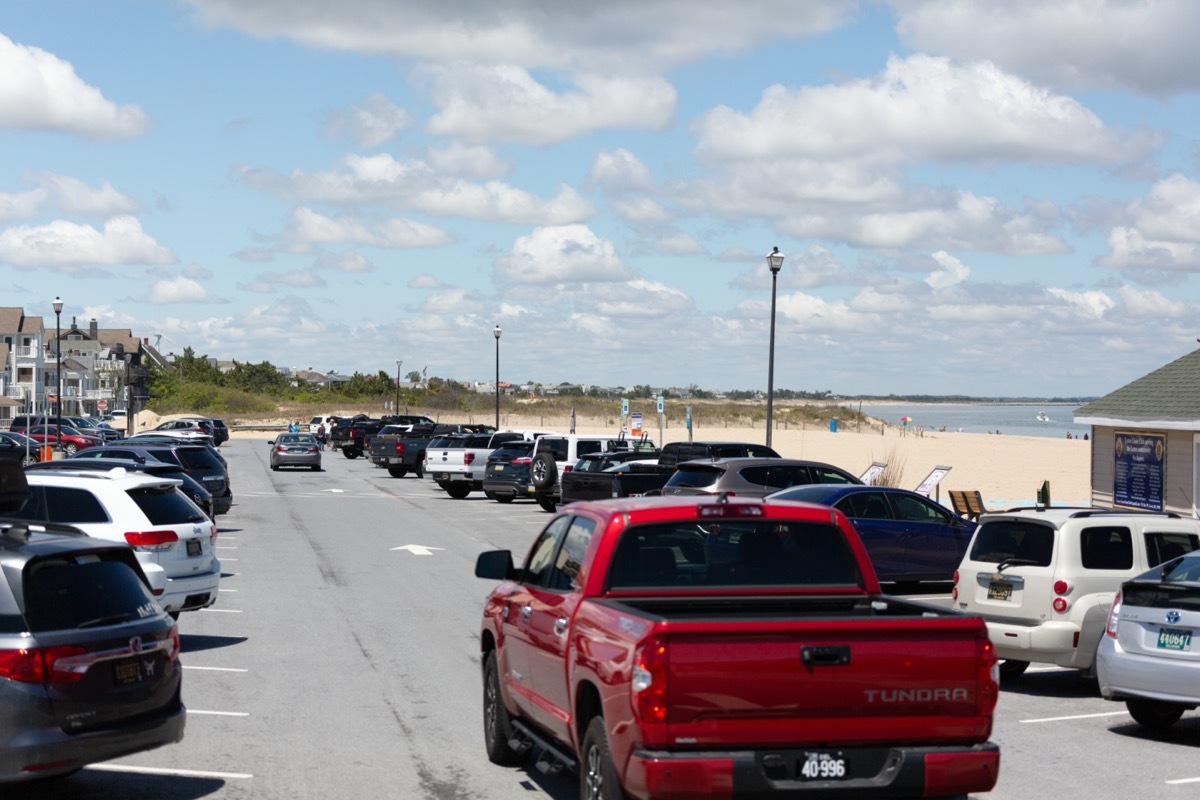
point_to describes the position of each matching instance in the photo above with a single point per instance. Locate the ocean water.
(1014, 420)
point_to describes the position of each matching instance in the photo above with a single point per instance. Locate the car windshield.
(733, 553)
(79, 591)
(296, 438)
(165, 506)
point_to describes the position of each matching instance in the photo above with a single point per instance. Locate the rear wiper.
(113, 620)
(197, 518)
(1010, 562)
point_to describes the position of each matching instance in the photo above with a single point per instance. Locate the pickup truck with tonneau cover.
(457, 462)
(403, 451)
(728, 648)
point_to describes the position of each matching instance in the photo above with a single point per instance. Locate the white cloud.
(179, 290)
(309, 227)
(950, 271)
(62, 244)
(1171, 211)
(620, 171)
(638, 299)
(348, 261)
(371, 124)
(1147, 46)
(425, 282)
(1129, 249)
(562, 254)
(21, 205)
(73, 196)
(680, 244)
(1092, 304)
(40, 91)
(1151, 304)
(460, 300)
(642, 209)
(468, 161)
(505, 103)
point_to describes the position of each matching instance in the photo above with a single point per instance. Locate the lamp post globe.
(496, 332)
(58, 307)
(775, 263)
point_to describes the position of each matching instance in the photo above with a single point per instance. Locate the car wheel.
(490, 495)
(70, 449)
(457, 490)
(349, 453)
(29, 459)
(547, 503)
(421, 466)
(1012, 669)
(274, 468)
(597, 776)
(497, 728)
(1154, 714)
(543, 471)
(316, 467)
(504, 498)
(397, 472)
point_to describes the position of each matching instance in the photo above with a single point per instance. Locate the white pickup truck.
(457, 462)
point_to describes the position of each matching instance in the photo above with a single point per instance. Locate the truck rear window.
(733, 553)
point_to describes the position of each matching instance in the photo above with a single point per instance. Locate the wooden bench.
(968, 504)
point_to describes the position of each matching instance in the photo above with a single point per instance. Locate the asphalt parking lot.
(341, 661)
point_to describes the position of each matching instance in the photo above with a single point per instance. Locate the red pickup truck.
(684, 647)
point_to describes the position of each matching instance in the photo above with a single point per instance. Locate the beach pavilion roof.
(1167, 398)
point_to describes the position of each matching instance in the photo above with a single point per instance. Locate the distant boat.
(1041, 417)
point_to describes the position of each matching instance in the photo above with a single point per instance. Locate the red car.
(72, 440)
(674, 648)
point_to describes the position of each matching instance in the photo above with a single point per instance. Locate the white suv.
(556, 453)
(1044, 578)
(172, 537)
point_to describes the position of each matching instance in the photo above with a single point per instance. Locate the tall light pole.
(396, 409)
(496, 333)
(775, 262)
(58, 305)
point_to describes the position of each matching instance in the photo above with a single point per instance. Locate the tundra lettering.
(914, 695)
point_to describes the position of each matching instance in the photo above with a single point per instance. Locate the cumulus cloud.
(950, 271)
(61, 244)
(425, 281)
(40, 91)
(374, 122)
(21, 205)
(309, 227)
(1151, 304)
(1149, 47)
(642, 209)
(348, 261)
(679, 244)
(180, 290)
(467, 161)
(1094, 304)
(505, 103)
(620, 171)
(562, 254)
(73, 196)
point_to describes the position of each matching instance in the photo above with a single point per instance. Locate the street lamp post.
(396, 409)
(775, 262)
(496, 333)
(58, 306)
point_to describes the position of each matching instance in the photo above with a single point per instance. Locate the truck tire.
(397, 472)
(1012, 669)
(1154, 714)
(348, 453)
(457, 490)
(597, 776)
(420, 470)
(543, 472)
(497, 728)
(504, 498)
(546, 502)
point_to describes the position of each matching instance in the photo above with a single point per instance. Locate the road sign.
(660, 404)
(102, 405)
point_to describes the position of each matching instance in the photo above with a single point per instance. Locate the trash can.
(833, 426)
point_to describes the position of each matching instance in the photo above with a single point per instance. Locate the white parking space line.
(219, 547)
(223, 610)
(182, 773)
(232, 591)
(216, 669)
(1178, 781)
(223, 559)
(1078, 716)
(192, 711)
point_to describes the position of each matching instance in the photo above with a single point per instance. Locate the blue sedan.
(908, 536)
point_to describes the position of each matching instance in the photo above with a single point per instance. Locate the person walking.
(321, 436)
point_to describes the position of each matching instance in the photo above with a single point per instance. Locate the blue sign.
(1139, 469)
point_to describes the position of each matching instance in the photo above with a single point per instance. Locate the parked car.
(1045, 578)
(89, 661)
(93, 427)
(908, 536)
(177, 429)
(506, 473)
(199, 460)
(295, 450)
(751, 477)
(168, 532)
(1147, 657)
(71, 439)
(557, 453)
(209, 427)
(28, 451)
(220, 432)
(189, 485)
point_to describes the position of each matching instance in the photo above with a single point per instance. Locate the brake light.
(987, 675)
(726, 510)
(39, 664)
(468, 458)
(954, 591)
(523, 461)
(152, 541)
(1114, 617)
(1061, 587)
(279, 448)
(173, 652)
(399, 448)
(650, 666)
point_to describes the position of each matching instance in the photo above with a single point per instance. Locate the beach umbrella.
(906, 419)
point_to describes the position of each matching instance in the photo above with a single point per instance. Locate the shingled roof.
(1169, 397)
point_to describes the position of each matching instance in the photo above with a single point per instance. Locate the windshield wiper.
(1011, 562)
(112, 620)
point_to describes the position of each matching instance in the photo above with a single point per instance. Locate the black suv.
(197, 459)
(89, 661)
(506, 475)
(220, 432)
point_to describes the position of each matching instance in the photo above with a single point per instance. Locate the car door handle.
(560, 626)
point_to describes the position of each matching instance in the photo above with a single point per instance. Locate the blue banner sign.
(1139, 469)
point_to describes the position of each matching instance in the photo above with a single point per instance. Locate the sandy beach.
(1006, 470)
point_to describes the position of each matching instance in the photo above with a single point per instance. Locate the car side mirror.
(495, 564)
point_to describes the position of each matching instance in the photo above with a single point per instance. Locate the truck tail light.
(987, 675)
(151, 541)
(399, 448)
(37, 664)
(1114, 617)
(650, 666)
(468, 458)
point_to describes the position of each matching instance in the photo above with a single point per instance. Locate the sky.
(975, 197)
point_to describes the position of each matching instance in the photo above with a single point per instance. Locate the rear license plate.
(128, 672)
(1174, 639)
(823, 767)
(499, 468)
(442, 476)
(999, 590)
(194, 547)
